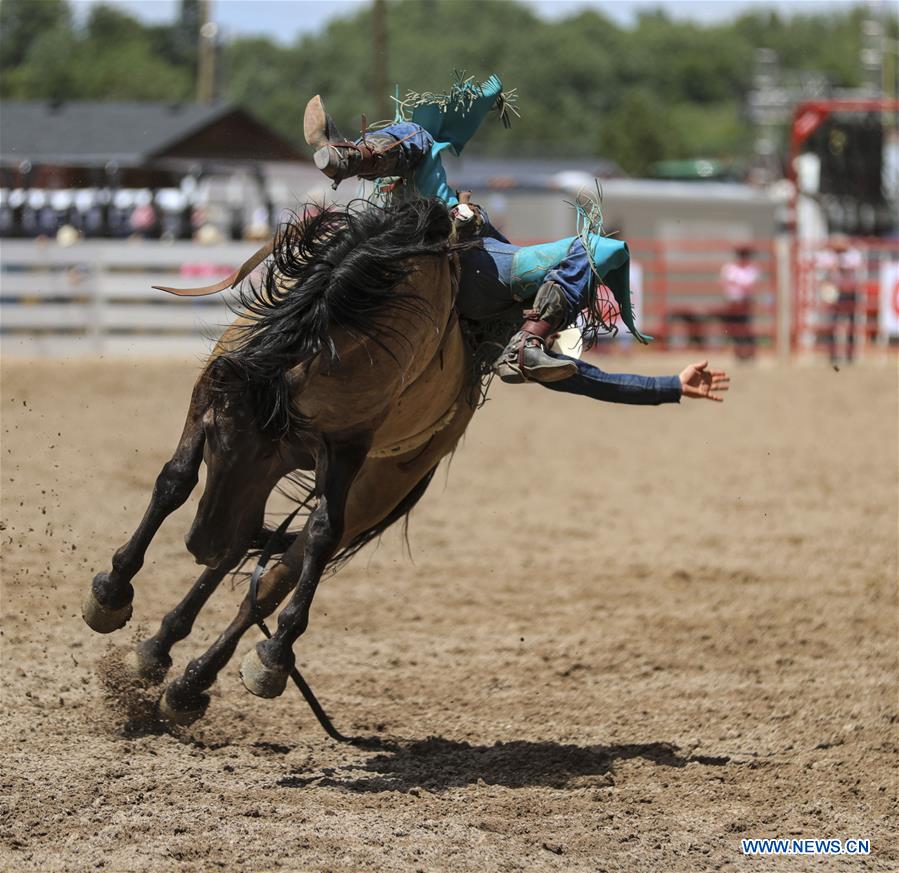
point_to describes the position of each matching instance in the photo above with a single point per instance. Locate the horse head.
(244, 462)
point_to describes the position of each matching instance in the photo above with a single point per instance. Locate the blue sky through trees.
(284, 20)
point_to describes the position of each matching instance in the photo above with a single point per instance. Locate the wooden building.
(130, 145)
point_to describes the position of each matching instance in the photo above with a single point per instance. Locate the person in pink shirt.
(738, 280)
(839, 267)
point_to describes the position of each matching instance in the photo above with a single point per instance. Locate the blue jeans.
(590, 381)
(416, 147)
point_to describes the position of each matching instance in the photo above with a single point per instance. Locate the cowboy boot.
(374, 156)
(525, 357)
(319, 129)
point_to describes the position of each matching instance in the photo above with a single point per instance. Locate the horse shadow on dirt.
(436, 764)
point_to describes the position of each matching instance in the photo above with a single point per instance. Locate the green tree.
(107, 25)
(47, 70)
(22, 22)
(124, 62)
(639, 131)
(113, 57)
(262, 76)
(657, 90)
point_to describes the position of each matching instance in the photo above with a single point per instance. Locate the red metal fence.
(820, 321)
(682, 301)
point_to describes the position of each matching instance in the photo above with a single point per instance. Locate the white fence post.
(785, 292)
(95, 330)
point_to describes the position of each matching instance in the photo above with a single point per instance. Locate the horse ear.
(435, 221)
(296, 376)
(216, 369)
(219, 371)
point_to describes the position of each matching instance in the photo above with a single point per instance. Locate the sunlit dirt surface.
(629, 638)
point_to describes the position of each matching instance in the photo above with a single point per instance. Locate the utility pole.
(206, 54)
(379, 59)
(767, 111)
(872, 51)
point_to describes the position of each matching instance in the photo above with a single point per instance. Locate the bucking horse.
(346, 367)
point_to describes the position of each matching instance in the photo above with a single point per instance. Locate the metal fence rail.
(869, 316)
(682, 296)
(96, 297)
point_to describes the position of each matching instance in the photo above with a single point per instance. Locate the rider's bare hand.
(699, 382)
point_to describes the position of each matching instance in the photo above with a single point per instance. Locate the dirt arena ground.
(629, 638)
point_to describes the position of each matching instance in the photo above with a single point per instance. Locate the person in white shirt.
(738, 280)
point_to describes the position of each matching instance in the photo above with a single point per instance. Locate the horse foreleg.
(265, 669)
(107, 606)
(379, 488)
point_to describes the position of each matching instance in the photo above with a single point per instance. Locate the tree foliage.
(658, 90)
(22, 22)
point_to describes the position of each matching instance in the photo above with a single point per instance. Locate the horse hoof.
(261, 680)
(145, 665)
(102, 619)
(178, 712)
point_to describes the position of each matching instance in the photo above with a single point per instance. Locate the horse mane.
(332, 268)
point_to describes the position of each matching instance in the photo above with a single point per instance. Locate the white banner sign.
(889, 298)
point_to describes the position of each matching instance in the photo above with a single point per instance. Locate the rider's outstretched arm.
(695, 381)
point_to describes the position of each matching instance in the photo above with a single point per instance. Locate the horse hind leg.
(185, 699)
(107, 606)
(151, 658)
(265, 669)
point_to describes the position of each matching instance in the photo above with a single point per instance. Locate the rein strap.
(234, 279)
(295, 674)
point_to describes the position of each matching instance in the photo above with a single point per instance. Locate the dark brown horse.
(347, 362)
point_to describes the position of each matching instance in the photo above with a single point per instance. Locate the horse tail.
(330, 269)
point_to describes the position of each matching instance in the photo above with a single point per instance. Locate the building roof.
(89, 134)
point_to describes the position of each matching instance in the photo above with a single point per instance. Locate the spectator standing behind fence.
(839, 268)
(739, 278)
(143, 220)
